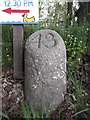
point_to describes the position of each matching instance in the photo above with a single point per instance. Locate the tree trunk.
(69, 13)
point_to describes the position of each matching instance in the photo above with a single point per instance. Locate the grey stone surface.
(45, 69)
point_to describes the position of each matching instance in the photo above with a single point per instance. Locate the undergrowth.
(76, 40)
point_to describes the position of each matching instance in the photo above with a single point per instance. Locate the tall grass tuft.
(79, 102)
(30, 112)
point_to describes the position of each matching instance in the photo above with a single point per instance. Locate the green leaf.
(4, 115)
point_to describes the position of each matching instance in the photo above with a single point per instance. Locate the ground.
(13, 92)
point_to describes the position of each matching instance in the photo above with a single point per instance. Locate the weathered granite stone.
(45, 69)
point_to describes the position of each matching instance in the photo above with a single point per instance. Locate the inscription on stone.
(45, 69)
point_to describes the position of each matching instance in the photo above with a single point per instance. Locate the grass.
(79, 102)
(29, 112)
(75, 39)
(5, 115)
(80, 112)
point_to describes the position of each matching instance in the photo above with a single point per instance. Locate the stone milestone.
(45, 70)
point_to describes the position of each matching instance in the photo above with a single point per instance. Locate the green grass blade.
(4, 115)
(32, 108)
(80, 112)
(29, 114)
(23, 109)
